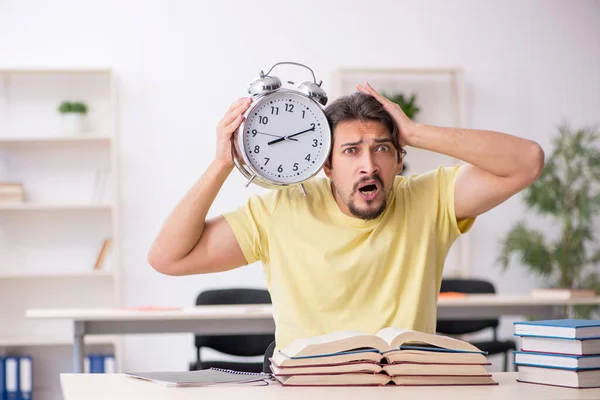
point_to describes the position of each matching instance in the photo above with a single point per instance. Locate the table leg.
(78, 346)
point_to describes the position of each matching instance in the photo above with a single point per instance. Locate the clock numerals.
(277, 134)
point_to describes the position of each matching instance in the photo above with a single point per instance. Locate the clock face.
(286, 137)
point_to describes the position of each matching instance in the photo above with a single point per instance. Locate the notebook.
(205, 377)
(559, 328)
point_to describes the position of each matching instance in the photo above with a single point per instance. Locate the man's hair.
(360, 107)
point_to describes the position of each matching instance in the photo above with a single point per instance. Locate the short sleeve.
(446, 178)
(250, 224)
(436, 188)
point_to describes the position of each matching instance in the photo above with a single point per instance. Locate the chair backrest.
(460, 327)
(237, 345)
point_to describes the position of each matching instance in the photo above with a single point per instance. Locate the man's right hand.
(226, 128)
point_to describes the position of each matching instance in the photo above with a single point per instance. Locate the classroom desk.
(119, 386)
(246, 319)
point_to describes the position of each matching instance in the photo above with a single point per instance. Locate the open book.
(392, 355)
(386, 340)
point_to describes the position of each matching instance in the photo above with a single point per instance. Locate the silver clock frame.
(261, 89)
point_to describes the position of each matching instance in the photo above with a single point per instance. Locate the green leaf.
(530, 246)
(595, 258)
(568, 191)
(407, 105)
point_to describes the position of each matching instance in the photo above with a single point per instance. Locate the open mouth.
(368, 190)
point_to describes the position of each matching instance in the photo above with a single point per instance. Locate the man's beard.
(368, 214)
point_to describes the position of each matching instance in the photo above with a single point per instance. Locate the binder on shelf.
(99, 364)
(11, 383)
(2, 379)
(109, 364)
(26, 377)
(96, 363)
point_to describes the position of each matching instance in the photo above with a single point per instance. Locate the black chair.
(236, 345)
(268, 354)
(461, 327)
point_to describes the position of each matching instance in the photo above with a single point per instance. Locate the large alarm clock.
(285, 138)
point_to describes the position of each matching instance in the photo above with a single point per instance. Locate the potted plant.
(568, 192)
(407, 104)
(73, 114)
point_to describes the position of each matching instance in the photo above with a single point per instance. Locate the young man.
(366, 248)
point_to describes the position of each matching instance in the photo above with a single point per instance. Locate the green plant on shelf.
(73, 107)
(407, 104)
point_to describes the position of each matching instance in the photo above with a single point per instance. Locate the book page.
(296, 346)
(396, 337)
(389, 334)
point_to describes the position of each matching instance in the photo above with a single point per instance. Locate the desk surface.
(259, 311)
(119, 386)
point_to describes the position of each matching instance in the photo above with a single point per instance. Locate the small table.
(119, 386)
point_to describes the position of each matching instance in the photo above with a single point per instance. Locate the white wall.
(180, 64)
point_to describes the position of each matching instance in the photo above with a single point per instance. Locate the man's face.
(364, 164)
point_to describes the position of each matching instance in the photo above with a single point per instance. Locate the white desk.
(119, 386)
(253, 319)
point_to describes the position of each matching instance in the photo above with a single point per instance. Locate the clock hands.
(291, 137)
(269, 134)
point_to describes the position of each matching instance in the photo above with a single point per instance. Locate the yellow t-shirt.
(327, 271)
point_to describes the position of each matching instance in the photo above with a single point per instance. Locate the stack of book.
(562, 352)
(11, 192)
(392, 356)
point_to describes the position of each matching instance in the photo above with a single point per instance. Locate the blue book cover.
(569, 362)
(332, 354)
(557, 367)
(403, 347)
(2, 380)
(559, 328)
(439, 349)
(576, 356)
(563, 323)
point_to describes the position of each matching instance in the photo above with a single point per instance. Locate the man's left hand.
(404, 124)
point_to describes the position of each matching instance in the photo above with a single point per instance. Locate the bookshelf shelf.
(54, 207)
(60, 276)
(56, 340)
(21, 70)
(84, 139)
